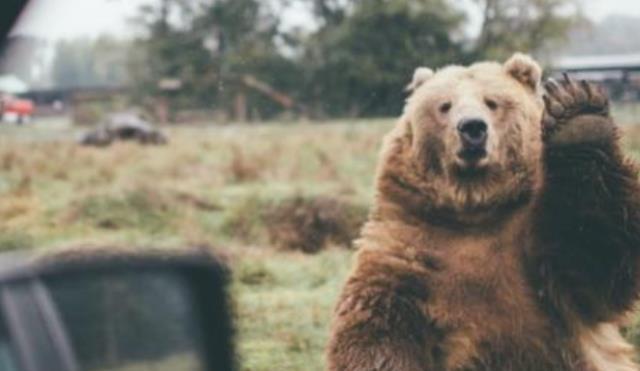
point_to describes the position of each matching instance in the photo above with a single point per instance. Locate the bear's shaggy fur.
(524, 260)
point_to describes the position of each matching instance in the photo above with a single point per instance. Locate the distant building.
(24, 57)
(10, 84)
(619, 73)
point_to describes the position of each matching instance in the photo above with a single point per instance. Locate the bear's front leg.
(379, 324)
(588, 221)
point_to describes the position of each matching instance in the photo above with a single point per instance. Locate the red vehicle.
(16, 109)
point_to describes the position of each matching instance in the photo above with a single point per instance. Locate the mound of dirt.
(311, 224)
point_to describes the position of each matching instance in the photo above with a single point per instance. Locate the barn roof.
(598, 62)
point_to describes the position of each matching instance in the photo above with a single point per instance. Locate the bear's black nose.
(473, 133)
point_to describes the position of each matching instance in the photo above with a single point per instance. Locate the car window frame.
(23, 278)
(38, 338)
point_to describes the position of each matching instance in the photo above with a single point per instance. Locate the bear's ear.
(421, 75)
(524, 69)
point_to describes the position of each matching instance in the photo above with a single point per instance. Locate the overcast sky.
(56, 19)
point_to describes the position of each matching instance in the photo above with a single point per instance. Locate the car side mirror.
(109, 310)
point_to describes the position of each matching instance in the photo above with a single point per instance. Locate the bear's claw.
(567, 99)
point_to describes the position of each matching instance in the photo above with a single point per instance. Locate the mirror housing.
(99, 308)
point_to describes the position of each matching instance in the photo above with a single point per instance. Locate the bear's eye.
(445, 107)
(491, 104)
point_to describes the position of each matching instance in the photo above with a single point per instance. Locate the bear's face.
(472, 136)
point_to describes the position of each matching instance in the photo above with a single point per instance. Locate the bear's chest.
(481, 299)
(479, 283)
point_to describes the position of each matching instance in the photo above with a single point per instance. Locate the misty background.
(253, 60)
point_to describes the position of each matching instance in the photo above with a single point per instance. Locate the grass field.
(209, 186)
(212, 186)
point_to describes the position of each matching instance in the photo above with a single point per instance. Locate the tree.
(210, 48)
(354, 60)
(532, 26)
(331, 12)
(169, 50)
(365, 52)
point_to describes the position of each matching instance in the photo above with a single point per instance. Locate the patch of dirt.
(311, 224)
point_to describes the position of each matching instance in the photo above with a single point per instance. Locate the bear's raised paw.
(575, 112)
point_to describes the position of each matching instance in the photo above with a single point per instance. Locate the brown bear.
(505, 233)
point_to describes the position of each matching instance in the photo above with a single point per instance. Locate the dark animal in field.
(124, 127)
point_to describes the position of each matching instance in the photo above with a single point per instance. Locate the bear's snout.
(473, 136)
